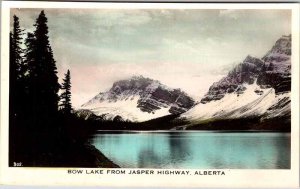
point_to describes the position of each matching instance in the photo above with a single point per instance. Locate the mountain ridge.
(139, 99)
(255, 88)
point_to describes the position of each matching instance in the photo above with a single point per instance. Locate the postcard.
(150, 94)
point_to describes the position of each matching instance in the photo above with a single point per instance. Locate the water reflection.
(196, 149)
(179, 148)
(147, 159)
(283, 161)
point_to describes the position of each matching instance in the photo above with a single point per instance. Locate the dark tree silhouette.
(15, 80)
(66, 106)
(12, 77)
(16, 61)
(35, 129)
(15, 52)
(43, 80)
(30, 66)
(29, 57)
(16, 89)
(39, 135)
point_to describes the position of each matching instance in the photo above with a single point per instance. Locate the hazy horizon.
(187, 49)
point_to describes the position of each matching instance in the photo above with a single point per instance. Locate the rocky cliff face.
(244, 73)
(271, 71)
(277, 68)
(255, 88)
(139, 99)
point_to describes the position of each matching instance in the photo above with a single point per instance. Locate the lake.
(195, 149)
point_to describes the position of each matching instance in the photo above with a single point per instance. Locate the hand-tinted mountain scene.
(150, 88)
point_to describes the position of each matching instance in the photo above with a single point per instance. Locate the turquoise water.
(203, 150)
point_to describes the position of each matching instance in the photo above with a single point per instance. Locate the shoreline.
(101, 161)
(190, 131)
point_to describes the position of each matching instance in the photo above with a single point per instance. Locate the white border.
(234, 177)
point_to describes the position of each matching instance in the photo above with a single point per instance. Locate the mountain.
(137, 99)
(255, 88)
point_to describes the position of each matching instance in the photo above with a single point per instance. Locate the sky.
(184, 48)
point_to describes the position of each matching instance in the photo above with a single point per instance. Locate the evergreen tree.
(16, 48)
(16, 90)
(29, 61)
(44, 84)
(66, 106)
(12, 65)
(15, 80)
(29, 57)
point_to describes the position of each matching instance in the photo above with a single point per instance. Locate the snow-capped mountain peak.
(254, 88)
(280, 51)
(139, 99)
(273, 70)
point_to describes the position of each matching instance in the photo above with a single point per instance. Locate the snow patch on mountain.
(253, 102)
(139, 99)
(127, 109)
(254, 88)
